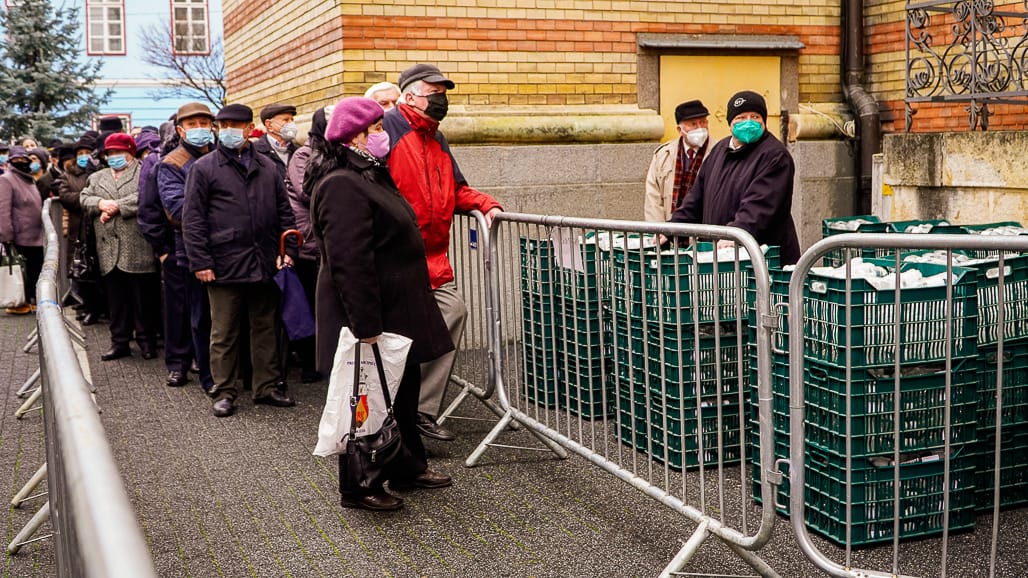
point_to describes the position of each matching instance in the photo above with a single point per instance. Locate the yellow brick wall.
(500, 52)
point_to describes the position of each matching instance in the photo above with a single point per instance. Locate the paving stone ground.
(243, 496)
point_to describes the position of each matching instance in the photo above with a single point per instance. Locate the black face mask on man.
(21, 166)
(438, 106)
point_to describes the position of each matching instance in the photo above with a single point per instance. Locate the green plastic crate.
(1015, 385)
(1015, 300)
(921, 491)
(1013, 481)
(902, 226)
(872, 400)
(660, 286)
(870, 339)
(643, 426)
(838, 257)
(979, 228)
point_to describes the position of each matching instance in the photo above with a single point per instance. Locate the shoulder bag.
(369, 458)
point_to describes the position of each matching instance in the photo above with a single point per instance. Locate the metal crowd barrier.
(638, 361)
(469, 242)
(907, 408)
(94, 526)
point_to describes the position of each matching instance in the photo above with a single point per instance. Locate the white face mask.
(697, 137)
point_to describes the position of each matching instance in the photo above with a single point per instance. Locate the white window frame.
(105, 36)
(189, 6)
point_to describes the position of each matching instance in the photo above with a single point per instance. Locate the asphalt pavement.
(243, 496)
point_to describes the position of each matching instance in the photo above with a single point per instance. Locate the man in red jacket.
(429, 178)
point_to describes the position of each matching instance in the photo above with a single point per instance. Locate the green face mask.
(747, 131)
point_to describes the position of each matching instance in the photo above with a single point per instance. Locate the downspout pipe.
(859, 99)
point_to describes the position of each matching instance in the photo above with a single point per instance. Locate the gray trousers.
(260, 303)
(435, 374)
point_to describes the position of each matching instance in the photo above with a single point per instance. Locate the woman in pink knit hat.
(373, 278)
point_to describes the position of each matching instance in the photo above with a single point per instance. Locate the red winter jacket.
(429, 178)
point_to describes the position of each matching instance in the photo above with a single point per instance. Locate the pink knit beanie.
(350, 117)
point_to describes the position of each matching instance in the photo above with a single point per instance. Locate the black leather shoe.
(194, 367)
(429, 428)
(379, 502)
(176, 379)
(275, 399)
(116, 353)
(426, 479)
(223, 407)
(79, 316)
(148, 351)
(90, 319)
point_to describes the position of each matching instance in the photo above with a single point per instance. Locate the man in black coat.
(236, 207)
(746, 181)
(280, 131)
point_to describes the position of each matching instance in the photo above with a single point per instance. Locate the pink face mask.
(378, 144)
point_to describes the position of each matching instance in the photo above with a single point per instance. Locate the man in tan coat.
(676, 163)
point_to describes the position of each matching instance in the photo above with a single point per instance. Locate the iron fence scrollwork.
(966, 51)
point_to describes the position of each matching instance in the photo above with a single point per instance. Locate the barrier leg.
(687, 551)
(24, 390)
(29, 486)
(504, 422)
(33, 339)
(75, 334)
(29, 404)
(22, 538)
(468, 388)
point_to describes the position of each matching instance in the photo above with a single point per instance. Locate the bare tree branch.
(200, 76)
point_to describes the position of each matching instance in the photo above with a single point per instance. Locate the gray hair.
(379, 88)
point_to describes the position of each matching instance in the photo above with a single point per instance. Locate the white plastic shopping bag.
(12, 279)
(371, 408)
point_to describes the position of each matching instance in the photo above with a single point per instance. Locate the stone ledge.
(552, 124)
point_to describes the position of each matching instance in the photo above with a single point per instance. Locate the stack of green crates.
(678, 355)
(1014, 424)
(779, 293)
(564, 339)
(867, 393)
(539, 314)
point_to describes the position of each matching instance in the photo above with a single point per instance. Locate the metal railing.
(468, 253)
(966, 51)
(591, 358)
(914, 383)
(94, 525)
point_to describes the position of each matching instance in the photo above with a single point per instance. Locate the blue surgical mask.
(199, 137)
(747, 131)
(82, 161)
(34, 167)
(117, 163)
(231, 137)
(3, 159)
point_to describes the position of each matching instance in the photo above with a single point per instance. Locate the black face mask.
(438, 105)
(22, 167)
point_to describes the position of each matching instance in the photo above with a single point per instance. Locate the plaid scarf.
(686, 171)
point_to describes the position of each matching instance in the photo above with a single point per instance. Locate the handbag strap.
(356, 385)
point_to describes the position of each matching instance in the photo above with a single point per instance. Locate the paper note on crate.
(617, 240)
(568, 253)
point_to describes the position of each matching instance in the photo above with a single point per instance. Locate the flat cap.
(690, 109)
(235, 112)
(425, 72)
(18, 152)
(192, 109)
(275, 109)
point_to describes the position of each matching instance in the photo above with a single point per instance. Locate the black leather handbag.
(85, 265)
(370, 459)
